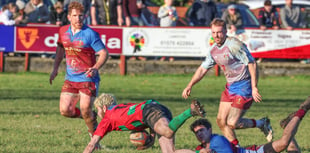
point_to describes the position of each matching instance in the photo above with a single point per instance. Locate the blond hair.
(105, 99)
(218, 22)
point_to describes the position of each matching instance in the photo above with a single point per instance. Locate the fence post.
(26, 62)
(122, 65)
(217, 70)
(1, 61)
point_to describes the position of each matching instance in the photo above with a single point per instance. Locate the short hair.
(58, 4)
(218, 22)
(267, 3)
(75, 5)
(105, 99)
(201, 121)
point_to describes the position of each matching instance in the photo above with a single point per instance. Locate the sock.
(77, 113)
(300, 113)
(177, 121)
(256, 122)
(235, 142)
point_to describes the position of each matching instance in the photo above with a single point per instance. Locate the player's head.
(268, 5)
(218, 31)
(75, 14)
(202, 129)
(103, 102)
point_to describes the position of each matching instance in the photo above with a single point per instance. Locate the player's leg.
(86, 105)
(68, 99)
(222, 116)
(291, 127)
(67, 105)
(293, 147)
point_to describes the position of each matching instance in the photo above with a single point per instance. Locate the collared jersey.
(218, 144)
(80, 52)
(122, 117)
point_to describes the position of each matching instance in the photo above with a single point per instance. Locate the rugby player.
(79, 44)
(139, 116)
(241, 89)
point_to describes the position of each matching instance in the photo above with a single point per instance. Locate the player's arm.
(60, 52)
(102, 59)
(91, 145)
(254, 79)
(199, 74)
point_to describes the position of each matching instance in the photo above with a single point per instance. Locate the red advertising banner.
(43, 38)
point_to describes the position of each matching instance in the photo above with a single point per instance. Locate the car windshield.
(248, 18)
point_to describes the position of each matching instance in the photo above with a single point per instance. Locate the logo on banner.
(27, 36)
(137, 41)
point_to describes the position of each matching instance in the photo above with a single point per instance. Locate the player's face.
(76, 19)
(202, 133)
(218, 34)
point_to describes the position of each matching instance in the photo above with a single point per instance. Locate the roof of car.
(254, 4)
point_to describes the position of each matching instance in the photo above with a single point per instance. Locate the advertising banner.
(6, 38)
(165, 41)
(41, 39)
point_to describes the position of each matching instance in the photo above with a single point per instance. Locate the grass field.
(30, 119)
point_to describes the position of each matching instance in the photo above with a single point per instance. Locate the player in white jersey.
(241, 89)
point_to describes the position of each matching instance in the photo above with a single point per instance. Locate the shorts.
(267, 148)
(153, 112)
(88, 88)
(238, 101)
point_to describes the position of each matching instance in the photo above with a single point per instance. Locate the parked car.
(256, 5)
(248, 18)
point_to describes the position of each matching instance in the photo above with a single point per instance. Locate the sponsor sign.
(6, 38)
(165, 42)
(44, 38)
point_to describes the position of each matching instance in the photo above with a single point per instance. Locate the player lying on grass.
(139, 116)
(216, 143)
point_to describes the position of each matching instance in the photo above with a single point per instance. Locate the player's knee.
(168, 134)
(65, 112)
(220, 122)
(231, 124)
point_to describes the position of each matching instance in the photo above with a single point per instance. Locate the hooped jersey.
(80, 52)
(123, 117)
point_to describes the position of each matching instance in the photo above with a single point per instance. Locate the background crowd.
(140, 13)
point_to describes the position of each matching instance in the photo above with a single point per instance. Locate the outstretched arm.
(91, 145)
(199, 74)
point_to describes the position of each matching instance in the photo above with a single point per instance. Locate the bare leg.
(67, 104)
(293, 146)
(86, 104)
(288, 134)
(222, 116)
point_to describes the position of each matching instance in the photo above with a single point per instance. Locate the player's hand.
(256, 96)
(53, 76)
(205, 150)
(186, 92)
(91, 72)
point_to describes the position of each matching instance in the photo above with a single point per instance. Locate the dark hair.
(75, 5)
(200, 121)
(267, 2)
(218, 22)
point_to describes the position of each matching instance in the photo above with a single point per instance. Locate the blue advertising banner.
(6, 38)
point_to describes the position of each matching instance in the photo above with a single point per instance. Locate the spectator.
(36, 12)
(86, 4)
(58, 16)
(6, 16)
(233, 19)
(21, 12)
(168, 17)
(290, 15)
(203, 12)
(268, 17)
(107, 12)
(132, 12)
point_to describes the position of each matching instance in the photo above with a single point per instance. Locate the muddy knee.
(221, 123)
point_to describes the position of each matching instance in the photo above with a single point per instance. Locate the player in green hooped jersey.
(139, 116)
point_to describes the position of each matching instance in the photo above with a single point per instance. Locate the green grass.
(30, 119)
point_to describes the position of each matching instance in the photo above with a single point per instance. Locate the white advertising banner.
(194, 42)
(165, 41)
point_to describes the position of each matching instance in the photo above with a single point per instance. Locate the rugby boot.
(197, 109)
(267, 129)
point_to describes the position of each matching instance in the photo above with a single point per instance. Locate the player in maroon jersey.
(139, 116)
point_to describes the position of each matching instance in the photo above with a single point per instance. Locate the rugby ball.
(139, 138)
